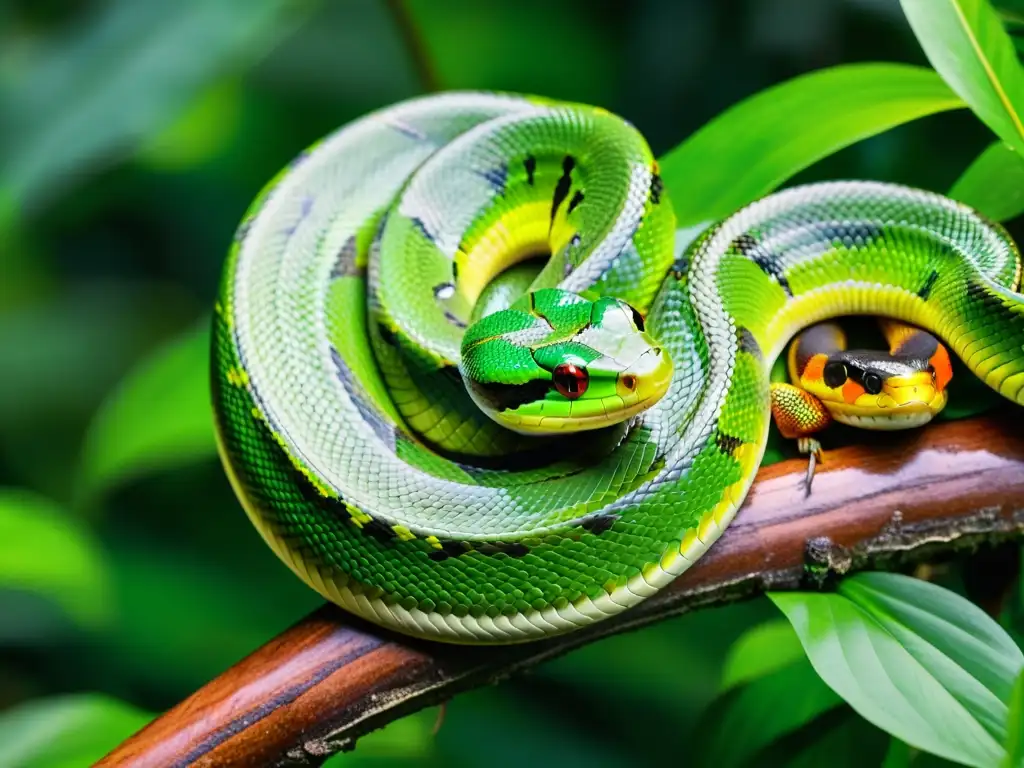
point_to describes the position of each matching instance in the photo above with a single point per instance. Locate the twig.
(330, 679)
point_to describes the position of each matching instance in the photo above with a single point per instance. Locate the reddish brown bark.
(331, 678)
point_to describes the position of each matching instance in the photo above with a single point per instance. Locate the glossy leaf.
(966, 43)
(839, 739)
(755, 146)
(993, 183)
(754, 717)
(159, 417)
(44, 551)
(67, 111)
(1015, 726)
(916, 660)
(761, 651)
(65, 731)
(1011, 13)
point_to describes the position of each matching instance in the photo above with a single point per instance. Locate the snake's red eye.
(570, 380)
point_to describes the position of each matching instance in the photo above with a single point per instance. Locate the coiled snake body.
(413, 455)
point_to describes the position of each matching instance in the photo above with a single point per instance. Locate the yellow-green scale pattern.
(377, 519)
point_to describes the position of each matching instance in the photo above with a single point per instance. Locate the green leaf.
(200, 132)
(966, 43)
(118, 77)
(43, 550)
(756, 145)
(1015, 726)
(994, 183)
(159, 417)
(753, 718)
(918, 661)
(1011, 13)
(65, 731)
(163, 591)
(764, 649)
(839, 739)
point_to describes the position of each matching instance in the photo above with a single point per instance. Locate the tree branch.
(331, 678)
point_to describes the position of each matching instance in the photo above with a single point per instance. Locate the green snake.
(469, 385)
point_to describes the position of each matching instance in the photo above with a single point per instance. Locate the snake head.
(555, 362)
(872, 390)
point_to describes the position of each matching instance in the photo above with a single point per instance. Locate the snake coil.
(359, 271)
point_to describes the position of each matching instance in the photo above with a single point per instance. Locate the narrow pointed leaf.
(966, 43)
(1015, 726)
(993, 183)
(751, 719)
(759, 652)
(756, 145)
(159, 417)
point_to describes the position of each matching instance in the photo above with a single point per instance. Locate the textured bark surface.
(331, 678)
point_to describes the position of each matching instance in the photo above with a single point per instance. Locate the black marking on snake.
(929, 283)
(455, 270)
(380, 531)
(599, 523)
(767, 261)
(407, 130)
(496, 177)
(387, 335)
(681, 265)
(418, 223)
(727, 444)
(492, 548)
(530, 164)
(748, 343)
(657, 187)
(381, 427)
(823, 338)
(304, 211)
(577, 198)
(920, 346)
(448, 549)
(563, 186)
(444, 291)
(515, 549)
(345, 261)
(508, 397)
(458, 322)
(531, 299)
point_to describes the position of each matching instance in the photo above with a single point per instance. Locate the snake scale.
(468, 386)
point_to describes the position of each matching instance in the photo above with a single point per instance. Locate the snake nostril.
(656, 351)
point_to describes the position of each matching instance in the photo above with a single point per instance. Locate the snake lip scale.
(386, 342)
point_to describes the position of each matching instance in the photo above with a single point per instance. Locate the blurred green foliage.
(133, 135)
